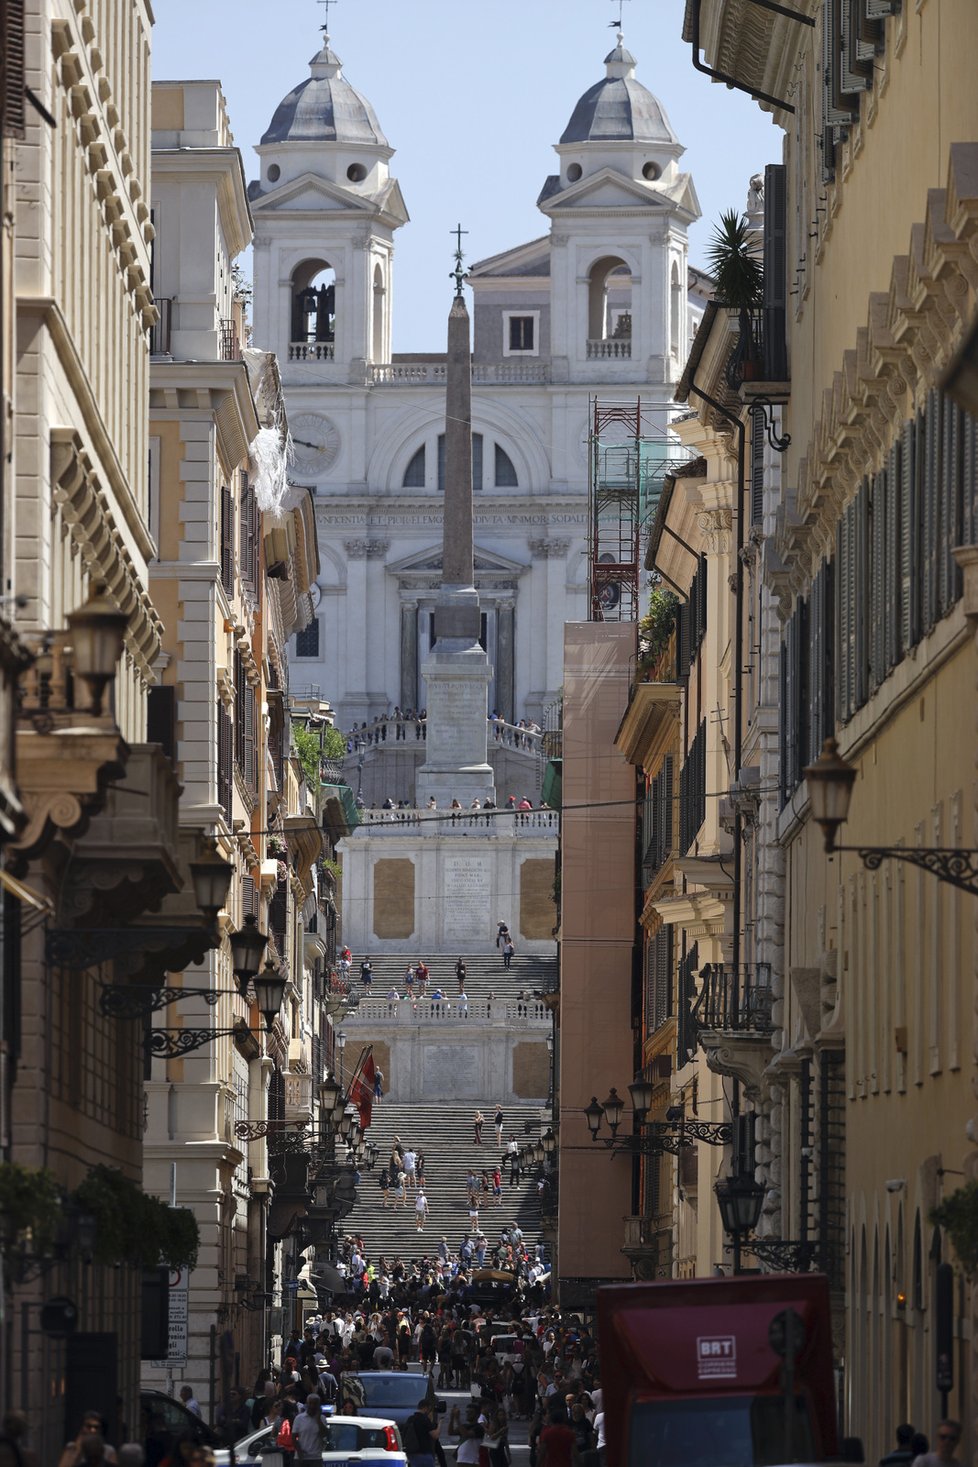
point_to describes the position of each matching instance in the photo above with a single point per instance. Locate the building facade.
(602, 300)
(233, 581)
(855, 545)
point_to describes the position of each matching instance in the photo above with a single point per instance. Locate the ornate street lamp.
(329, 1093)
(830, 780)
(641, 1092)
(211, 877)
(594, 1114)
(248, 946)
(269, 993)
(613, 1105)
(548, 1141)
(97, 630)
(740, 1199)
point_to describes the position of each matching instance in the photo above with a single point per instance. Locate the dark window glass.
(307, 641)
(521, 333)
(415, 471)
(505, 472)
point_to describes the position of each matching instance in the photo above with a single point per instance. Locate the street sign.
(176, 1350)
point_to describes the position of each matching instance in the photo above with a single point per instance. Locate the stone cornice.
(86, 509)
(911, 333)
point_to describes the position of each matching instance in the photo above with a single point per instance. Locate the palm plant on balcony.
(736, 266)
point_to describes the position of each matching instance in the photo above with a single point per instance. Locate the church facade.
(602, 304)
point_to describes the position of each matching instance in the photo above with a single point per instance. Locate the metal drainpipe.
(731, 81)
(738, 697)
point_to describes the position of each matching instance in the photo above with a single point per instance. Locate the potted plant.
(736, 265)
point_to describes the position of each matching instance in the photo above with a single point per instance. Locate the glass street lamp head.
(641, 1092)
(211, 876)
(548, 1141)
(269, 993)
(594, 1114)
(740, 1199)
(97, 631)
(328, 1092)
(340, 1041)
(829, 781)
(613, 1105)
(248, 946)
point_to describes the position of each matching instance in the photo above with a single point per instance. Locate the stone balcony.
(444, 1013)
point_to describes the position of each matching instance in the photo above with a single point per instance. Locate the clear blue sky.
(473, 96)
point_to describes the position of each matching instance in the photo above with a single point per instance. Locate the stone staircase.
(444, 1133)
(485, 974)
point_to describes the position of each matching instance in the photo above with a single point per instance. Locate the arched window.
(609, 328)
(476, 463)
(415, 471)
(505, 476)
(313, 303)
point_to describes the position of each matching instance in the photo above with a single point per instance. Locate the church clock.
(316, 442)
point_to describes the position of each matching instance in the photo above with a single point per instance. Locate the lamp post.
(830, 780)
(97, 630)
(248, 946)
(740, 1198)
(211, 876)
(340, 1046)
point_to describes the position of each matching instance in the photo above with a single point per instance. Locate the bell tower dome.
(325, 208)
(619, 210)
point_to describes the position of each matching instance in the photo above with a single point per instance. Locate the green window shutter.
(949, 576)
(860, 592)
(930, 468)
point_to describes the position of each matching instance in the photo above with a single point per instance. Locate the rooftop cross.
(458, 274)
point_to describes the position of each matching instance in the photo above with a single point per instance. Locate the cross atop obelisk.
(457, 671)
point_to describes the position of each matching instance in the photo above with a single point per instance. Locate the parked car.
(508, 1350)
(177, 1421)
(394, 1394)
(369, 1440)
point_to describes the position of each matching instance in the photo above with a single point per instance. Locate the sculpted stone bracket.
(63, 777)
(744, 1056)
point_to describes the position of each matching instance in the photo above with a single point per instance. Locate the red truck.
(719, 1372)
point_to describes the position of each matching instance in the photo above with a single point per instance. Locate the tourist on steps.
(478, 1121)
(420, 1210)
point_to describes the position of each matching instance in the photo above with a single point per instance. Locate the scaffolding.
(629, 457)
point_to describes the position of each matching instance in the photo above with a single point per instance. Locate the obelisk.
(457, 672)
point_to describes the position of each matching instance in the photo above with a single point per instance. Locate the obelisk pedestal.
(457, 672)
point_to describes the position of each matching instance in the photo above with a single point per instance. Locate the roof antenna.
(326, 4)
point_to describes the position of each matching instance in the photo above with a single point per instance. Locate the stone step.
(487, 974)
(445, 1134)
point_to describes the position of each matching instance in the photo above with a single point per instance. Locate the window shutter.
(14, 79)
(930, 467)
(949, 575)
(877, 541)
(828, 642)
(803, 688)
(891, 587)
(757, 467)
(817, 666)
(783, 722)
(775, 277)
(248, 769)
(845, 660)
(668, 796)
(909, 541)
(857, 48)
(161, 719)
(860, 592)
(227, 539)
(969, 474)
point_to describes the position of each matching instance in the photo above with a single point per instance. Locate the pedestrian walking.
(903, 1452)
(419, 1170)
(460, 975)
(478, 1121)
(378, 1085)
(508, 951)
(497, 1121)
(384, 1182)
(409, 1163)
(420, 1210)
(497, 1187)
(945, 1454)
(472, 1187)
(366, 972)
(484, 1186)
(513, 1156)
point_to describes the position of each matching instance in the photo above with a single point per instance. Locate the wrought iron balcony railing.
(735, 1001)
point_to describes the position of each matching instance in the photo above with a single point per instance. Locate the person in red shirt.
(557, 1439)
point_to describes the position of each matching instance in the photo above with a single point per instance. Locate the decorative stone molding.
(63, 776)
(85, 507)
(911, 332)
(365, 549)
(743, 1056)
(715, 526)
(549, 549)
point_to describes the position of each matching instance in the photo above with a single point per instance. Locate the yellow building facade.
(866, 1096)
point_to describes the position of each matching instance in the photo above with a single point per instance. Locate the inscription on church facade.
(413, 519)
(465, 895)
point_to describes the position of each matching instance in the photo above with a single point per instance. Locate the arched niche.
(313, 297)
(379, 315)
(609, 301)
(675, 311)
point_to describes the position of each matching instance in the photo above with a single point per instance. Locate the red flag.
(362, 1087)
